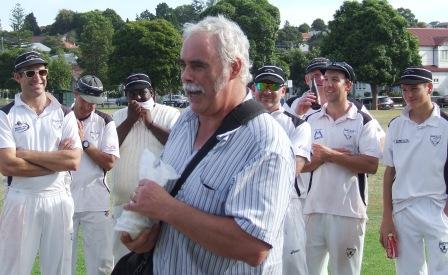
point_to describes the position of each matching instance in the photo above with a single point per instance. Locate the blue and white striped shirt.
(248, 175)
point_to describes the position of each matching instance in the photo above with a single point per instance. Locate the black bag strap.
(240, 115)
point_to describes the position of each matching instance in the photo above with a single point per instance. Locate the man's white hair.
(232, 42)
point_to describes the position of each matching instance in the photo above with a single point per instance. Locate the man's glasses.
(32, 73)
(262, 87)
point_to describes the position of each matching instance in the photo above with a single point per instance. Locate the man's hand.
(144, 242)
(66, 144)
(305, 103)
(146, 117)
(387, 227)
(134, 110)
(150, 200)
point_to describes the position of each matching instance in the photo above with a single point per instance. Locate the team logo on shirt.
(348, 133)
(443, 247)
(350, 252)
(405, 140)
(318, 134)
(94, 135)
(21, 127)
(57, 123)
(435, 139)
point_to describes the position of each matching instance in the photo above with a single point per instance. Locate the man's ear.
(235, 68)
(430, 88)
(16, 76)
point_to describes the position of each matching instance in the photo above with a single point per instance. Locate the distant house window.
(444, 56)
(435, 80)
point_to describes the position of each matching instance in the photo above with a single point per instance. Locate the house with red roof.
(433, 50)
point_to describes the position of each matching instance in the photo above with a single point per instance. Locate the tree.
(7, 58)
(59, 74)
(16, 22)
(318, 25)
(114, 18)
(145, 15)
(409, 16)
(289, 37)
(54, 43)
(147, 46)
(258, 19)
(96, 45)
(30, 24)
(64, 22)
(304, 28)
(372, 37)
(184, 14)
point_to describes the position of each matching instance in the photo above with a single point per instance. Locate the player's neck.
(421, 113)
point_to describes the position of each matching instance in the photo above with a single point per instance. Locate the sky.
(295, 11)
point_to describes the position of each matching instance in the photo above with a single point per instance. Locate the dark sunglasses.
(262, 87)
(32, 73)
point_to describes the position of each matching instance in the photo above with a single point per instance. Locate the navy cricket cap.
(90, 88)
(137, 82)
(342, 67)
(27, 59)
(415, 75)
(270, 74)
(318, 63)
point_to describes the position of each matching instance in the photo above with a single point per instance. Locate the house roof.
(435, 69)
(430, 36)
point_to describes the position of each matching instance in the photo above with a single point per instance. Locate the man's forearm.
(104, 160)
(221, 235)
(356, 163)
(123, 130)
(62, 160)
(389, 174)
(159, 132)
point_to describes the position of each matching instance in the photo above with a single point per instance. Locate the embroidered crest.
(21, 127)
(318, 134)
(443, 246)
(57, 123)
(435, 139)
(405, 140)
(94, 135)
(350, 252)
(348, 133)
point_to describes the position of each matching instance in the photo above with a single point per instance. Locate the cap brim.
(269, 79)
(30, 63)
(137, 86)
(93, 99)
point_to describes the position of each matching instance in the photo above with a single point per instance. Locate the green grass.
(374, 261)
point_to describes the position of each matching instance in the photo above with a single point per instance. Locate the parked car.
(122, 101)
(384, 102)
(442, 101)
(179, 101)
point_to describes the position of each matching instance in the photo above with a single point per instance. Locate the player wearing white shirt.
(270, 87)
(144, 124)
(39, 142)
(345, 146)
(415, 180)
(89, 187)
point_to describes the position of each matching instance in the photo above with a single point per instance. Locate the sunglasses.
(262, 87)
(32, 73)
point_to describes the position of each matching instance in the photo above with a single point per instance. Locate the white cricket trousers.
(294, 253)
(97, 237)
(32, 222)
(422, 223)
(336, 238)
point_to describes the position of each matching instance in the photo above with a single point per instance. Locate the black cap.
(318, 63)
(342, 67)
(137, 81)
(28, 59)
(271, 74)
(90, 89)
(415, 75)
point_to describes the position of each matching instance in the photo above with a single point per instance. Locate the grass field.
(374, 261)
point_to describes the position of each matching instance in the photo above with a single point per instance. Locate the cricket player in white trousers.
(39, 142)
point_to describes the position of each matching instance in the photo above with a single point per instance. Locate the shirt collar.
(351, 114)
(432, 120)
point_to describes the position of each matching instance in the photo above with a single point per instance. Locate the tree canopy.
(318, 25)
(30, 23)
(409, 16)
(147, 46)
(372, 37)
(289, 37)
(59, 74)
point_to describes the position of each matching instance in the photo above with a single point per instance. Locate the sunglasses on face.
(262, 87)
(32, 73)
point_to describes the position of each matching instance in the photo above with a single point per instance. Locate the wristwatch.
(85, 144)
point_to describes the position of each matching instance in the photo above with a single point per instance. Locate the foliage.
(258, 19)
(304, 28)
(147, 46)
(64, 22)
(7, 58)
(289, 37)
(372, 37)
(114, 18)
(145, 15)
(96, 45)
(318, 25)
(17, 18)
(30, 24)
(298, 61)
(59, 74)
(409, 16)
(54, 43)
